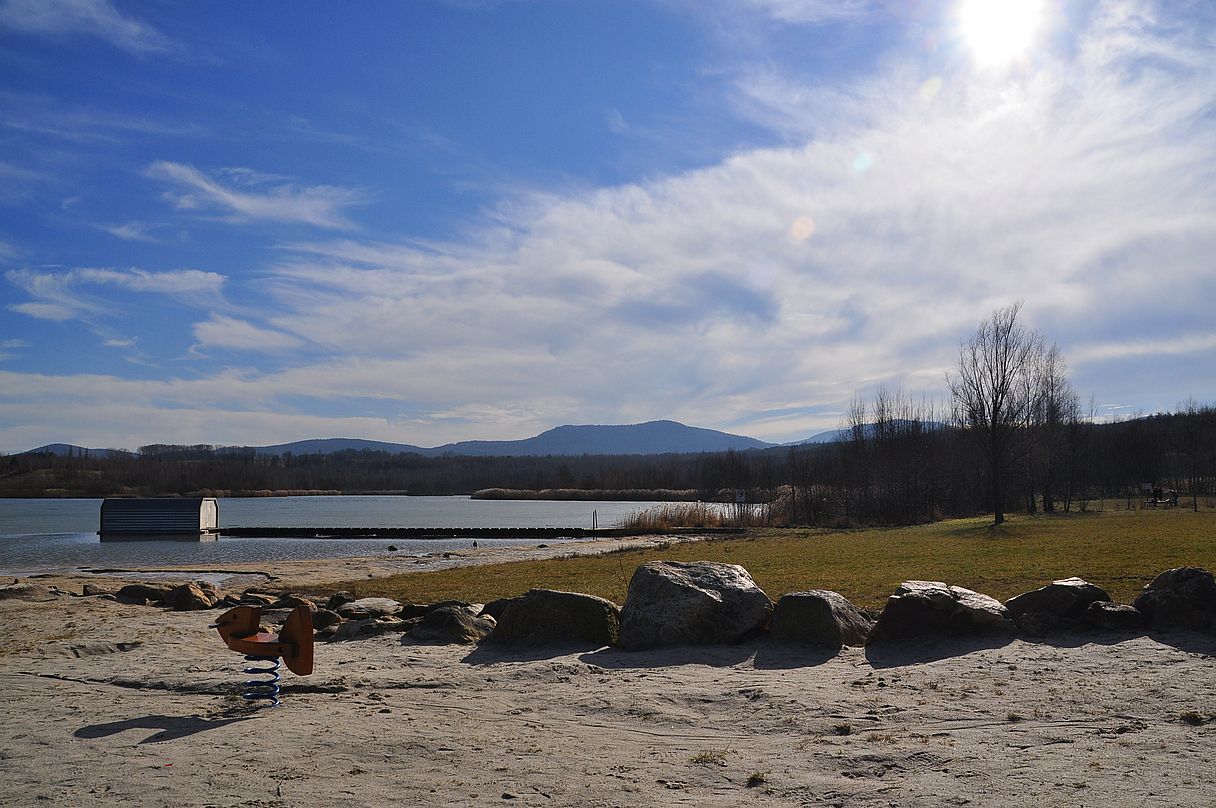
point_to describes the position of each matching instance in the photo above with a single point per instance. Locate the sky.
(439, 220)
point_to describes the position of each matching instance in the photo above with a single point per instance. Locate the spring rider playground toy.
(240, 628)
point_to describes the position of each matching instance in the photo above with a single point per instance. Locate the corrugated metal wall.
(159, 516)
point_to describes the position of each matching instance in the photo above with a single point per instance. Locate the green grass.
(1118, 550)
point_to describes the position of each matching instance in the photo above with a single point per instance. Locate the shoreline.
(317, 573)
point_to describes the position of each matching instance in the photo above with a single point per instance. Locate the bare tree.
(990, 391)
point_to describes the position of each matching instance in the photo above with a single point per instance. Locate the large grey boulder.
(365, 608)
(451, 625)
(920, 608)
(550, 617)
(1046, 607)
(692, 603)
(1185, 596)
(821, 618)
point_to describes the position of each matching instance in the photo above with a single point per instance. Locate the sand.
(109, 704)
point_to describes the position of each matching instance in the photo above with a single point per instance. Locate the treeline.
(902, 463)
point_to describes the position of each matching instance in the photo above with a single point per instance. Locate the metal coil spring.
(262, 689)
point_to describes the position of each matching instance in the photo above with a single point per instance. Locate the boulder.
(93, 590)
(451, 625)
(324, 618)
(252, 598)
(337, 599)
(821, 618)
(920, 608)
(549, 617)
(692, 603)
(191, 597)
(1043, 609)
(363, 608)
(495, 608)
(371, 627)
(20, 591)
(1113, 616)
(410, 610)
(1185, 596)
(291, 600)
(142, 594)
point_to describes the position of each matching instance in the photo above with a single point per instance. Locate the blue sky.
(428, 221)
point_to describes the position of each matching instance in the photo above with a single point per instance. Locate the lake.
(37, 535)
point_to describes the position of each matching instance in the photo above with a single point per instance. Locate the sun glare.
(999, 31)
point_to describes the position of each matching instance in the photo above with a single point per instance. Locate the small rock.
(19, 591)
(323, 618)
(190, 597)
(337, 599)
(1113, 616)
(292, 600)
(141, 594)
(448, 625)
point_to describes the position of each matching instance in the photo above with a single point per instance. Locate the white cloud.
(318, 205)
(1081, 185)
(227, 332)
(688, 297)
(1179, 345)
(96, 18)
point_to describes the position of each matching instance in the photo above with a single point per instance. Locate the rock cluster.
(701, 603)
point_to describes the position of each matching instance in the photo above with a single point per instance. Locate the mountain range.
(652, 437)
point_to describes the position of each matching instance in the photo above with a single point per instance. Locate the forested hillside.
(901, 468)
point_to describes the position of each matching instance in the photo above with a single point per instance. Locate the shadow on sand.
(919, 650)
(491, 653)
(714, 656)
(171, 727)
(779, 656)
(1184, 639)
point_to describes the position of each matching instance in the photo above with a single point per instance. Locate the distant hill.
(652, 437)
(70, 450)
(332, 445)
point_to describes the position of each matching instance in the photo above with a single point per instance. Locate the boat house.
(148, 519)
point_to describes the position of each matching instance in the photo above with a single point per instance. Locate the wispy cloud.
(10, 347)
(318, 205)
(227, 332)
(131, 231)
(64, 295)
(813, 12)
(97, 18)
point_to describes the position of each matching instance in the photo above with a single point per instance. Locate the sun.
(999, 31)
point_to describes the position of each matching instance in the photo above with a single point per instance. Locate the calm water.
(40, 534)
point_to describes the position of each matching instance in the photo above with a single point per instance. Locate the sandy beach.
(107, 704)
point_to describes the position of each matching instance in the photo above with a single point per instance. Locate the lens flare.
(802, 228)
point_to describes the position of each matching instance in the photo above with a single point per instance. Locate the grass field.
(1119, 550)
